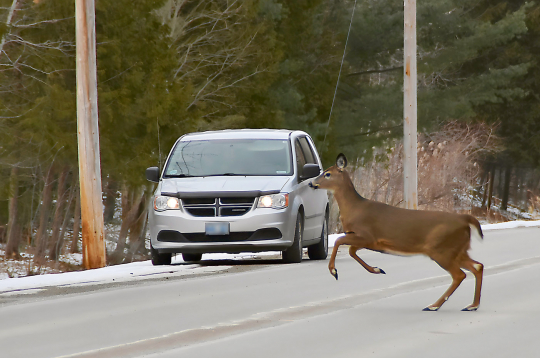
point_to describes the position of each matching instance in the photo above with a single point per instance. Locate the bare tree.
(42, 232)
(215, 45)
(447, 169)
(131, 212)
(13, 237)
(76, 218)
(61, 201)
(25, 59)
(8, 24)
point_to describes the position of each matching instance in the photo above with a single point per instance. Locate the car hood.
(223, 186)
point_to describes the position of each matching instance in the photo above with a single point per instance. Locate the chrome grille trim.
(222, 207)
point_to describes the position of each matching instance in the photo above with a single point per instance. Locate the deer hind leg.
(349, 239)
(352, 252)
(457, 277)
(477, 269)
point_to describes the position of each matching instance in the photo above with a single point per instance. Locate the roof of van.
(240, 134)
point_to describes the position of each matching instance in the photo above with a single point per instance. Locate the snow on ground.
(510, 225)
(145, 269)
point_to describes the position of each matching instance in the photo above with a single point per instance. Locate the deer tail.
(476, 229)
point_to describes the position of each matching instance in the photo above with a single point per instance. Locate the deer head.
(333, 177)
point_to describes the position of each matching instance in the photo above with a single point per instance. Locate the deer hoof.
(431, 309)
(379, 270)
(334, 273)
(470, 309)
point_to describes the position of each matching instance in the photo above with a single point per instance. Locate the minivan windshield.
(230, 157)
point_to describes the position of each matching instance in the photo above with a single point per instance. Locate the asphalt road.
(273, 310)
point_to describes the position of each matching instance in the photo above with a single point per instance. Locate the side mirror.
(310, 171)
(152, 174)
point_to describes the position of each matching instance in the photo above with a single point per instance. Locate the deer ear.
(341, 161)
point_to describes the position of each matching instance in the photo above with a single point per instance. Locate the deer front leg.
(332, 262)
(356, 241)
(352, 253)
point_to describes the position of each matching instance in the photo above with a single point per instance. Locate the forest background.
(170, 67)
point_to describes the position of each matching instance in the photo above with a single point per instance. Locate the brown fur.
(444, 237)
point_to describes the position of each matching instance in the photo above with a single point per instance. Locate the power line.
(339, 75)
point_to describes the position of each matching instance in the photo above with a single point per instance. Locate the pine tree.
(518, 118)
(455, 75)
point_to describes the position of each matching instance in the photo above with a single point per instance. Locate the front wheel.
(294, 253)
(160, 259)
(319, 251)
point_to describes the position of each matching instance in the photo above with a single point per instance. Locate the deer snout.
(313, 185)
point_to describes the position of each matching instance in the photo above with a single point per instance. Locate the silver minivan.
(235, 191)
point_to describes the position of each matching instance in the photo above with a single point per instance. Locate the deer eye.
(327, 175)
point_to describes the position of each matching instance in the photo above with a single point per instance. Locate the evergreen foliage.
(518, 118)
(454, 71)
(169, 67)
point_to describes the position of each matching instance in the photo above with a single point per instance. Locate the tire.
(192, 257)
(319, 251)
(160, 259)
(294, 253)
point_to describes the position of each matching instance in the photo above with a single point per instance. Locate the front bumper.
(261, 229)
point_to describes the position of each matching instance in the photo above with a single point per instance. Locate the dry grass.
(447, 170)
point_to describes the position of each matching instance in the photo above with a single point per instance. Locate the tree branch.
(375, 71)
(8, 23)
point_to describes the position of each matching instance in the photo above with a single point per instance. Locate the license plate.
(217, 228)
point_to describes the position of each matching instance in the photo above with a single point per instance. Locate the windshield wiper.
(225, 175)
(179, 176)
(202, 176)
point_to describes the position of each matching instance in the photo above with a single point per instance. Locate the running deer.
(444, 237)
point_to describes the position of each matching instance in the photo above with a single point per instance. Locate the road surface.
(273, 310)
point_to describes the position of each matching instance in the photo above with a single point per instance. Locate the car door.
(313, 205)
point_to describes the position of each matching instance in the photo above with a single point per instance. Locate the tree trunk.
(506, 188)
(120, 243)
(137, 232)
(58, 213)
(500, 182)
(76, 219)
(521, 184)
(490, 187)
(110, 200)
(487, 183)
(42, 235)
(9, 20)
(130, 213)
(13, 237)
(483, 185)
(67, 214)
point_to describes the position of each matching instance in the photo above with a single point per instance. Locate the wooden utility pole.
(88, 136)
(410, 166)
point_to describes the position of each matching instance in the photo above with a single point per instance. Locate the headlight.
(162, 203)
(276, 201)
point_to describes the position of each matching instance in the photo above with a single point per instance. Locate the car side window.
(300, 158)
(308, 152)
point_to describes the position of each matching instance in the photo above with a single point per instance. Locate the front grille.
(237, 211)
(199, 201)
(212, 207)
(202, 211)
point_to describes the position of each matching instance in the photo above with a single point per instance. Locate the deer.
(442, 236)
